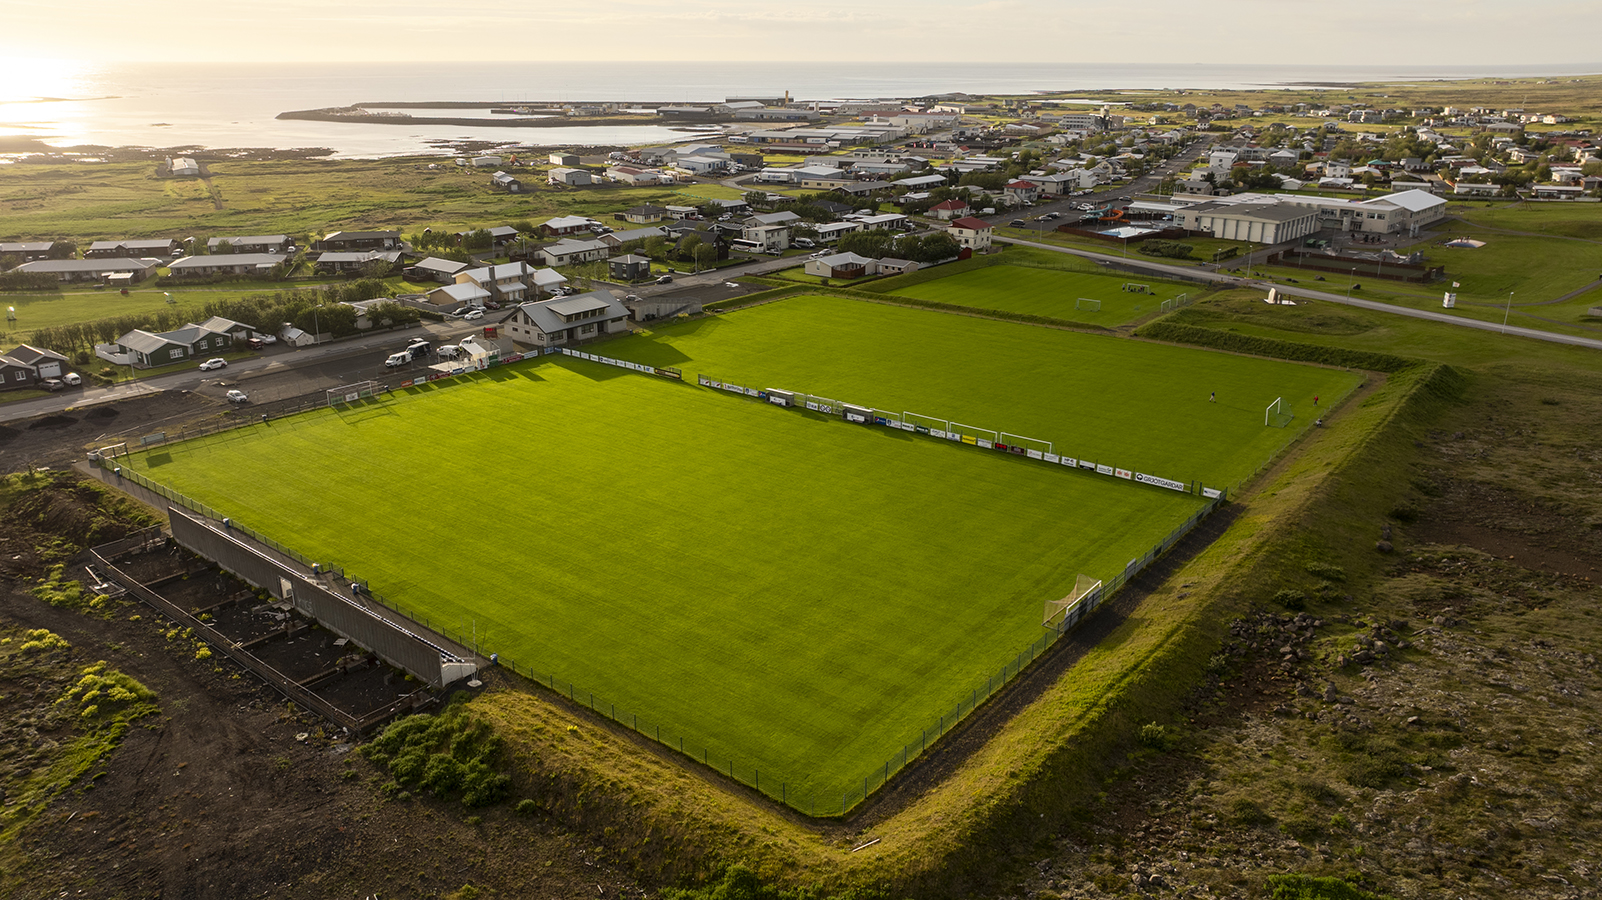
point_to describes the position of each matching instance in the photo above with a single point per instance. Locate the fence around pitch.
(808, 796)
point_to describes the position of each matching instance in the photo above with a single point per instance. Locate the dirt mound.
(7, 435)
(101, 412)
(53, 422)
(62, 512)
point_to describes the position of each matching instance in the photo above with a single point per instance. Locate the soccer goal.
(1136, 288)
(350, 393)
(1176, 303)
(1088, 304)
(1065, 613)
(1278, 414)
(1026, 444)
(926, 424)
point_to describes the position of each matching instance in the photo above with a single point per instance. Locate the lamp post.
(1349, 279)
(1507, 312)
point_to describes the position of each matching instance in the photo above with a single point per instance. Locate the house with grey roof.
(459, 296)
(163, 247)
(567, 320)
(260, 264)
(616, 239)
(92, 269)
(15, 374)
(148, 350)
(511, 282)
(45, 363)
(567, 252)
(340, 262)
(346, 241)
(29, 251)
(434, 269)
(252, 243)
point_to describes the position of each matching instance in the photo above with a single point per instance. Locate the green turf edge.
(677, 824)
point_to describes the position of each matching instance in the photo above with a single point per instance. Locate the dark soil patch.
(1537, 535)
(57, 441)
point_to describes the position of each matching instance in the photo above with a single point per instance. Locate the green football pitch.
(800, 595)
(1139, 405)
(1048, 292)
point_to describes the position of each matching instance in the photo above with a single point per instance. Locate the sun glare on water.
(23, 79)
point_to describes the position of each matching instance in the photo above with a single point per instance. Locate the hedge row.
(1277, 349)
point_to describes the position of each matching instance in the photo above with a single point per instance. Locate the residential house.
(510, 283)
(350, 241)
(949, 209)
(630, 267)
(503, 181)
(45, 363)
(14, 373)
(770, 237)
(164, 248)
(259, 264)
(616, 239)
(881, 221)
(92, 269)
(28, 251)
(920, 182)
(148, 350)
(351, 262)
(1557, 191)
(432, 268)
(456, 297)
(567, 252)
(786, 218)
(567, 320)
(970, 233)
(824, 177)
(236, 331)
(252, 243)
(645, 214)
(842, 265)
(892, 266)
(566, 225)
(1471, 189)
(1055, 184)
(569, 177)
(829, 232)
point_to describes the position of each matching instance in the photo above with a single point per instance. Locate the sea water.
(222, 105)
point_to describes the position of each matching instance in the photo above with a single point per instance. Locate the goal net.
(350, 393)
(1135, 288)
(926, 424)
(1176, 303)
(1067, 612)
(1278, 414)
(1021, 444)
(1087, 303)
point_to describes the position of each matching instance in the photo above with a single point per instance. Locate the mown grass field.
(1049, 292)
(798, 594)
(1139, 405)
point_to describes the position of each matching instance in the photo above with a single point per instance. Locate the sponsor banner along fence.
(664, 371)
(956, 432)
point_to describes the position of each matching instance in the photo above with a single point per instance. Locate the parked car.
(472, 315)
(449, 351)
(1018, 223)
(397, 359)
(72, 378)
(215, 362)
(255, 343)
(805, 243)
(665, 279)
(237, 397)
(266, 338)
(52, 384)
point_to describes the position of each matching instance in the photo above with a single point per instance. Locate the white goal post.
(1063, 613)
(350, 393)
(1278, 414)
(1135, 287)
(1087, 303)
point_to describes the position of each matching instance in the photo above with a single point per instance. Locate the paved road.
(369, 349)
(1195, 274)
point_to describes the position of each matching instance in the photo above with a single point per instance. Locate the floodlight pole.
(1507, 312)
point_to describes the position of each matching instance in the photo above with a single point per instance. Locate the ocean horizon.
(235, 105)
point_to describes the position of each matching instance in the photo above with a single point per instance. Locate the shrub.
(448, 753)
(1157, 737)
(40, 640)
(1170, 249)
(1291, 598)
(1326, 571)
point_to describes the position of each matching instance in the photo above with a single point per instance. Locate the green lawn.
(1129, 403)
(1049, 292)
(800, 595)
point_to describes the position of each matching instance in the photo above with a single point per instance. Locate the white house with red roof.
(1022, 191)
(950, 209)
(971, 233)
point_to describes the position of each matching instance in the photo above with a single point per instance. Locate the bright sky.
(1355, 32)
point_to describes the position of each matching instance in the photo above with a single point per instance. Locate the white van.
(398, 359)
(449, 351)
